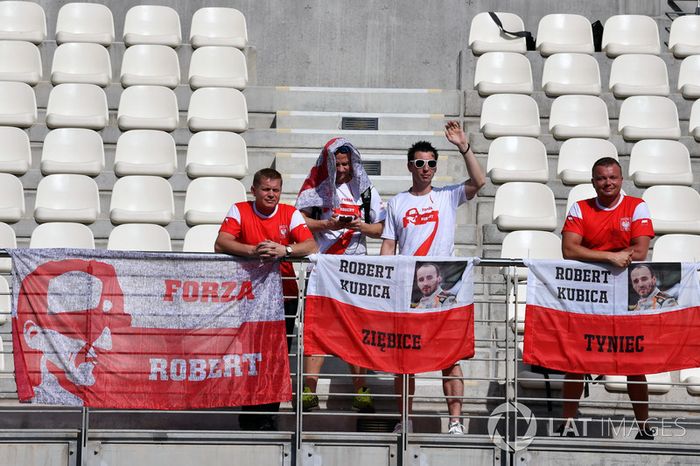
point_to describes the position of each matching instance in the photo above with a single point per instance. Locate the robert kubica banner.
(392, 313)
(592, 318)
(118, 329)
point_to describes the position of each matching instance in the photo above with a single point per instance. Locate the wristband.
(469, 147)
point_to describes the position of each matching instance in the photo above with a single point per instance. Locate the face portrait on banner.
(653, 286)
(436, 284)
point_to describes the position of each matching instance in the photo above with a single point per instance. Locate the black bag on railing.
(597, 29)
(529, 40)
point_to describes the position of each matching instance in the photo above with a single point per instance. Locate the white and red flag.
(392, 313)
(119, 329)
(593, 318)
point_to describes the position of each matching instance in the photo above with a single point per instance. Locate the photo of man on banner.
(436, 284)
(644, 283)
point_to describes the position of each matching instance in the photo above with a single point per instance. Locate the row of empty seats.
(143, 24)
(134, 199)
(576, 73)
(575, 116)
(210, 66)
(140, 107)
(559, 33)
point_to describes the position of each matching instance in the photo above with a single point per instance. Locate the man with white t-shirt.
(341, 208)
(422, 221)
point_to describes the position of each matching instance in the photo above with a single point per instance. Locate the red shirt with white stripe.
(285, 226)
(609, 228)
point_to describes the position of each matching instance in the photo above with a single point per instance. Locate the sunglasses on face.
(420, 163)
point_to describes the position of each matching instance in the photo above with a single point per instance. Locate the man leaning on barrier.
(422, 221)
(615, 229)
(267, 230)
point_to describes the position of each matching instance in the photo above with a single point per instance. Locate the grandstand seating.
(485, 36)
(530, 244)
(630, 34)
(689, 77)
(17, 105)
(217, 109)
(514, 158)
(218, 67)
(216, 153)
(659, 384)
(77, 105)
(510, 115)
(152, 24)
(684, 38)
(67, 198)
(85, 22)
(503, 72)
(577, 156)
(142, 199)
(11, 198)
(148, 107)
(16, 156)
(81, 63)
(676, 248)
(22, 21)
(139, 237)
(62, 235)
(201, 238)
(209, 198)
(674, 209)
(4, 307)
(658, 161)
(20, 61)
(694, 123)
(571, 73)
(524, 206)
(218, 26)
(579, 193)
(558, 33)
(150, 64)
(73, 150)
(579, 116)
(648, 117)
(638, 74)
(145, 152)
(8, 239)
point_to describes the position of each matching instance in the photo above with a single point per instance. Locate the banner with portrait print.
(391, 313)
(594, 318)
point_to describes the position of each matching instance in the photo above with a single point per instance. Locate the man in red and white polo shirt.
(267, 230)
(615, 229)
(422, 221)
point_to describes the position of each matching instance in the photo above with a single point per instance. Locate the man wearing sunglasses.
(422, 221)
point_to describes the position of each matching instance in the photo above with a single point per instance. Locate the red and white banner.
(391, 313)
(592, 318)
(119, 329)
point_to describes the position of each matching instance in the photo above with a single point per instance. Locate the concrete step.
(386, 121)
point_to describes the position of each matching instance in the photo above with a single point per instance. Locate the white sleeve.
(377, 210)
(641, 211)
(459, 195)
(234, 213)
(296, 220)
(389, 226)
(575, 211)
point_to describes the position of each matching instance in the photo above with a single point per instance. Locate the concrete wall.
(369, 43)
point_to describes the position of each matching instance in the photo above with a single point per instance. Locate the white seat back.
(577, 156)
(85, 22)
(571, 73)
(22, 21)
(579, 116)
(8, 240)
(637, 74)
(579, 192)
(81, 63)
(648, 117)
(17, 104)
(524, 206)
(77, 106)
(208, 199)
(67, 198)
(20, 61)
(73, 150)
(557, 33)
(145, 152)
(152, 65)
(217, 109)
(152, 24)
(142, 199)
(659, 161)
(11, 198)
(139, 237)
(517, 158)
(218, 67)
(216, 153)
(674, 209)
(630, 34)
(218, 26)
(148, 107)
(16, 154)
(684, 39)
(201, 238)
(485, 36)
(510, 115)
(676, 248)
(62, 235)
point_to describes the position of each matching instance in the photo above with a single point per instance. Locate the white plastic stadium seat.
(62, 235)
(659, 161)
(630, 34)
(694, 123)
(637, 74)
(73, 150)
(22, 21)
(7, 240)
(218, 67)
(139, 237)
(85, 22)
(648, 117)
(77, 106)
(579, 193)
(689, 77)
(659, 384)
(557, 33)
(11, 198)
(67, 198)
(510, 115)
(216, 153)
(684, 39)
(201, 238)
(503, 72)
(577, 156)
(530, 244)
(5, 310)
(209, 198)
(16, 154)
(516, 158)
(148, 107)
(579, 116)
(142, 199)
(517, 304)
(571, 73)
(217, 109)
(485, 36)
(145, 152)
(17, 105)
(218, 26)
(151, 24)
(674, 209)
(81, 63)
(691, 377)
(524, 206)
(676, 248)
(20, 61)
(151, 65)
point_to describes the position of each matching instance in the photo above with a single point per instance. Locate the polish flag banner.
(591, 318)
(392, 313)
(135, 330)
